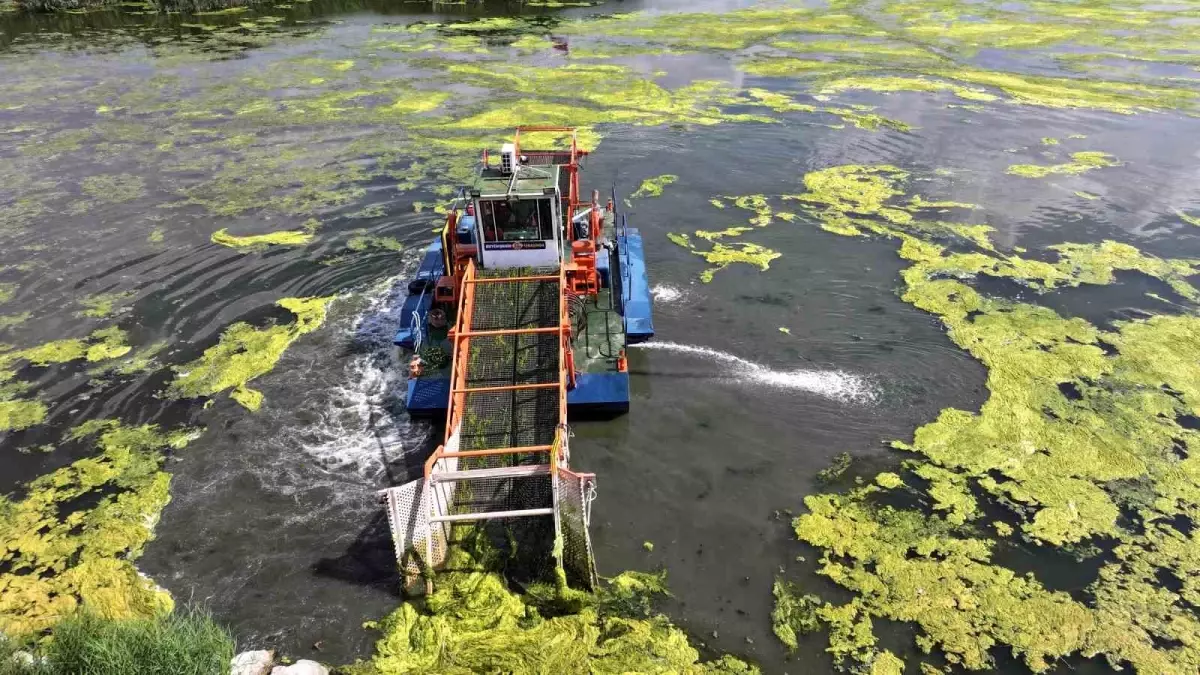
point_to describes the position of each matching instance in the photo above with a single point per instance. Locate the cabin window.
(518, 220)
(546, 215)
(490, 221)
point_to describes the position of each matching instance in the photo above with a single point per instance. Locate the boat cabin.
(518, 212)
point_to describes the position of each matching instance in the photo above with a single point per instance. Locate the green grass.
(186, 642)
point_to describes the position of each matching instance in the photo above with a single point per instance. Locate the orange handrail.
(459, 389)
(462, 339)
(564, 324)
(509, 387)
(498, 451)
(497, 280)
(510, 331)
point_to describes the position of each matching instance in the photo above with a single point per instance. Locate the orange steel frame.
(465, 272)
(574, 154)
(461, 358)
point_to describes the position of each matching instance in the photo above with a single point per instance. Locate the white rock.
(252, 663)
(301, 667)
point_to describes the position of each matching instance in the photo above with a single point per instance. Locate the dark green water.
(273, 522)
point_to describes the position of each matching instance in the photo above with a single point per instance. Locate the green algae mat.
(204, 214)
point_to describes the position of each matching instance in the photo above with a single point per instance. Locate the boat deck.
(599, 335)
(619, 315)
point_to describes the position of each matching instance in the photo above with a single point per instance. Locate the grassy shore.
(186, 642)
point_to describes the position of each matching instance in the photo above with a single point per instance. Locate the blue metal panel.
(635, 288)
(428, 396)
(600, 390)
(430, 271)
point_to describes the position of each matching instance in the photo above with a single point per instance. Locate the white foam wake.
(360, 424)
(666, 293)
(834, 384)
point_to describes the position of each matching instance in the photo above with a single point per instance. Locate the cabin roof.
(530, 181)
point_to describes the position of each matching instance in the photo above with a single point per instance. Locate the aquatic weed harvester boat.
(520, 314)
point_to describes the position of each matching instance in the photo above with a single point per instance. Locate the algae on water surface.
(102, 344)
(1083, 439)
(18, 413)
(474, 622)
(794, 614)
(244, 353)
(361, 241)
(101, 305)
(70, 541)
(1081, 162)
(260, 241)
(653, 187)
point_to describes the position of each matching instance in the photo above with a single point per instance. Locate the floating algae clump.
(711, 235)
(886, 663)
(893, 84)
(10, 320)
(653, 187)
(1064, 92)
(108, 343)
(244, 353)
(723, 255)
(853, 187)
(71, 540)
(1086, 437)
(17, 414)
(105, 343)
(361, 241)
(114, 188)
(474, 622)
(836, 469)
(680, 238)
(794, 614)
(143, 361)
(101, 305)
(1081, 162)
(57, 351)
(259, 241)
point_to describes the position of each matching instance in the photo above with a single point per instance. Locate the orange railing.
(572, 156)
(572, 153)
(461, 354)
(462, 349)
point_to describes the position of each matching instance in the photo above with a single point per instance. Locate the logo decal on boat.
(513, 245)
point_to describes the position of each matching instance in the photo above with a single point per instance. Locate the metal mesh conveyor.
(497, 414)
(505, 457)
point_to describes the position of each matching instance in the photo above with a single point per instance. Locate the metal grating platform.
(520, 417)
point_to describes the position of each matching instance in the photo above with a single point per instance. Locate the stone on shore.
(301, 667)
(252, 663)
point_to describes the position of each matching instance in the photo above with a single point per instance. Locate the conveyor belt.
(505, 415)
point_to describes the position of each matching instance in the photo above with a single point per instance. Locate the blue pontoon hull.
(594, 392)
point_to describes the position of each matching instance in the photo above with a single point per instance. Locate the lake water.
(128, 138)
